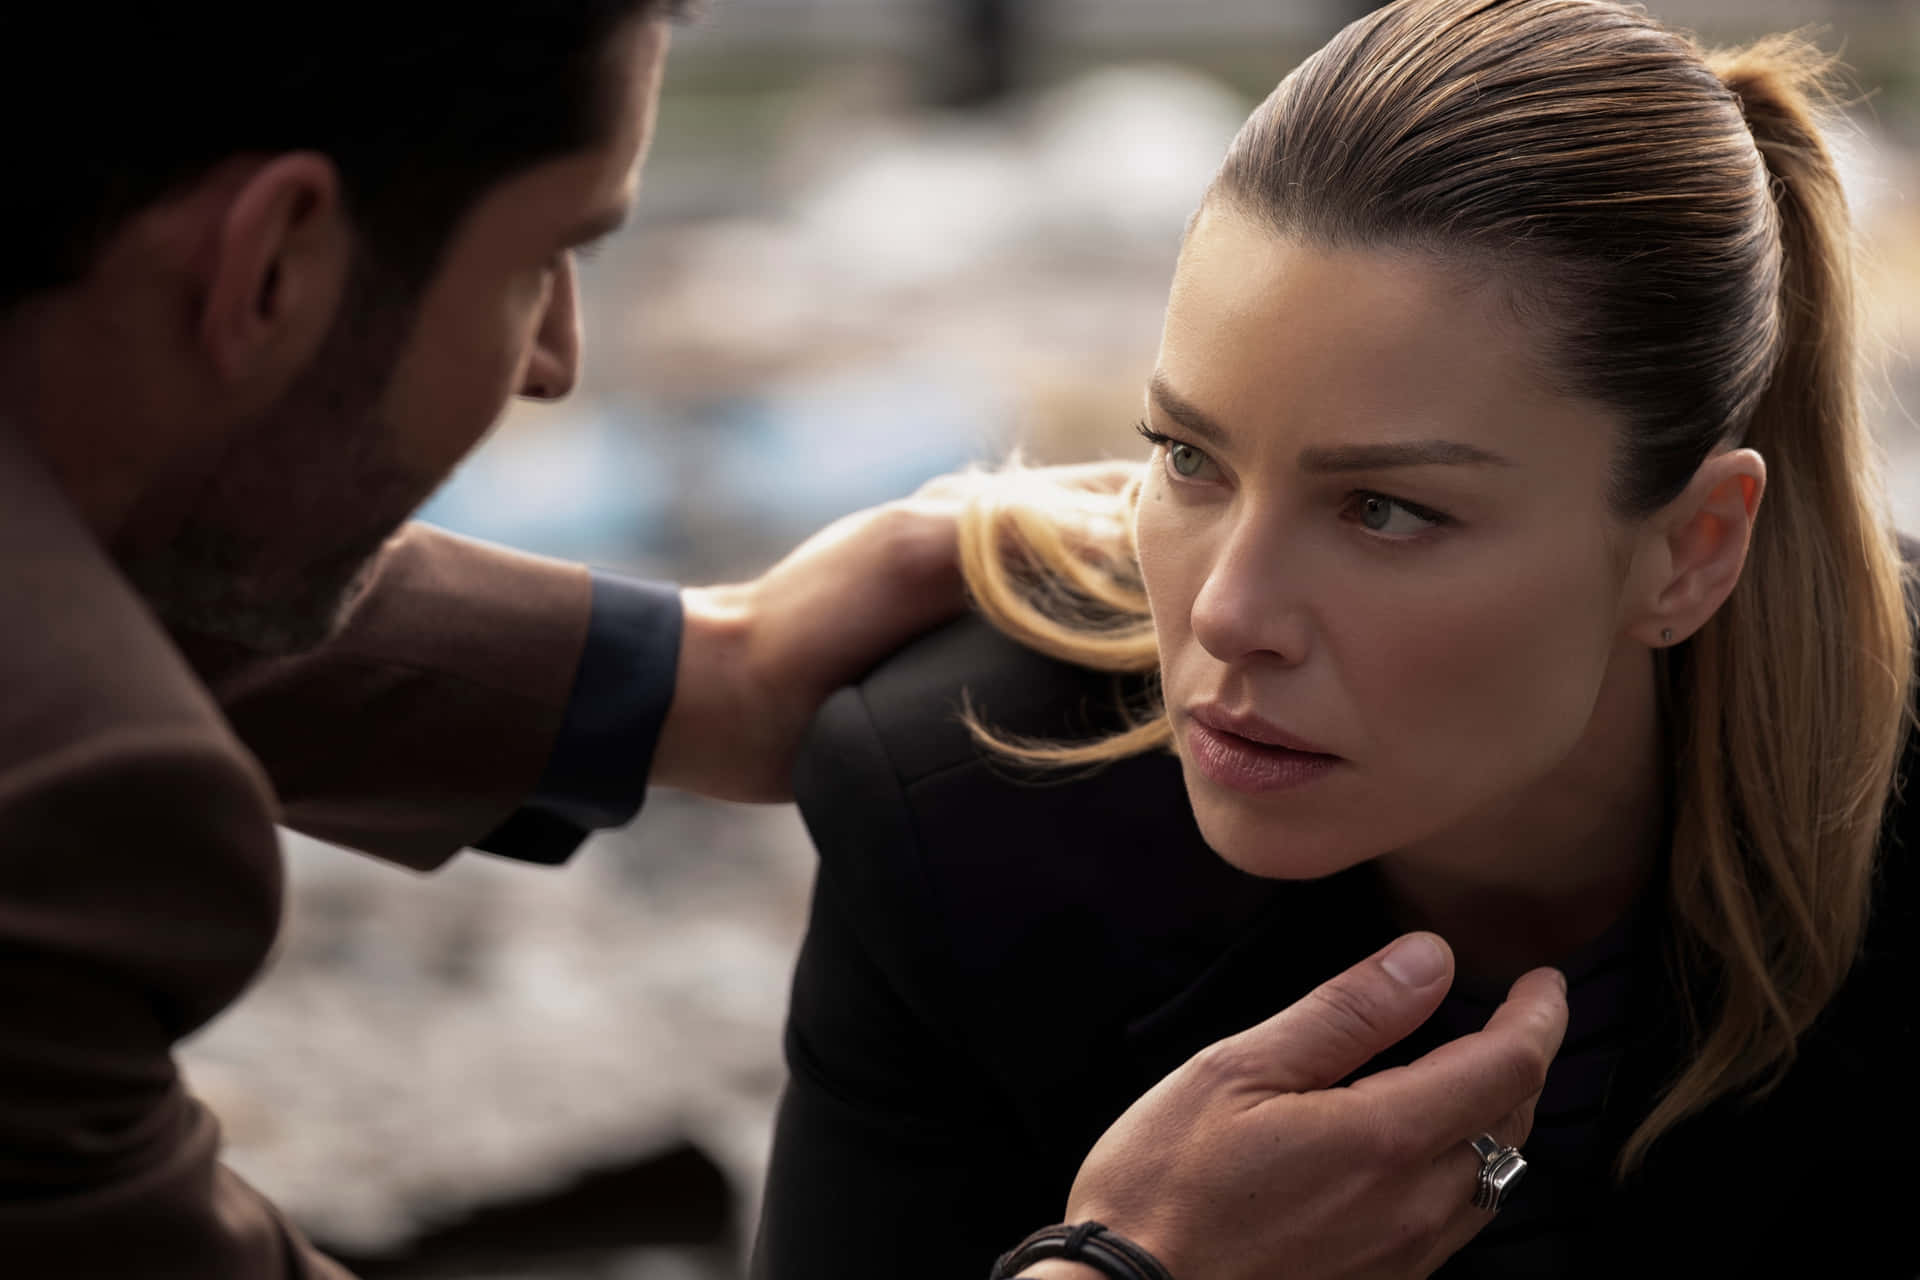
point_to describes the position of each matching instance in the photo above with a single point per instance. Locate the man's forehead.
(640, 59)
(590, 193)
(640, 55)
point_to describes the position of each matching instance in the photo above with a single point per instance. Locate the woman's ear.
(1701, 546)
(276, 273)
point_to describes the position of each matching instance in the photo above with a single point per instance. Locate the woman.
(1510, 564)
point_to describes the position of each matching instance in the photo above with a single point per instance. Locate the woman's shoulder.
(911, 704)
(1896, 896)
(940, 849)
(1900, 830)
(1872, 1012)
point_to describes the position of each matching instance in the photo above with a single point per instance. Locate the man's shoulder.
(136, 834)
(82, 660)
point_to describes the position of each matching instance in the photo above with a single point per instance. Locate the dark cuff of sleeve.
(596, 776)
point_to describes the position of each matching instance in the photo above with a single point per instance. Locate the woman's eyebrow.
(1183, 411)
(1324, 460)
(1330, 459)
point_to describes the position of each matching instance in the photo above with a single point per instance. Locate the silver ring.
(1500, 1171)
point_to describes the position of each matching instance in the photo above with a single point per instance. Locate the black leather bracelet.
(1107, 1252)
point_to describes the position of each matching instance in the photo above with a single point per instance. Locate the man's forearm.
(430, 717)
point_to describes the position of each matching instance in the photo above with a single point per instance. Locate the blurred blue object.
(803, 453)
(582, 486)
(614, 485)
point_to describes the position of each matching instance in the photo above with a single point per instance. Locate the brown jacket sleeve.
(139, 891)
(428, 720)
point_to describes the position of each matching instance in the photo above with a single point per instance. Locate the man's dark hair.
(422, 106)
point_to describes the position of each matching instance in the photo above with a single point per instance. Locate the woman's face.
(1385, 581)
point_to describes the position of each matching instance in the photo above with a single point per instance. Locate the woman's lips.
(1241, 763)
(1261, 733)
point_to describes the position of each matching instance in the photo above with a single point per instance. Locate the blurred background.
(878, 240)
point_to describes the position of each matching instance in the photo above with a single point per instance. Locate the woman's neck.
(1560, 863)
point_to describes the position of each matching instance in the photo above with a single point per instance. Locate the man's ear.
(276, 272)
(1700, 547)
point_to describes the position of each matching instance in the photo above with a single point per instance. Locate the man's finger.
(1460, 1088)
(1337, 1027)
(1456, 1178)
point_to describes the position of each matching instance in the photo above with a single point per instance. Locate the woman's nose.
(1250, 605)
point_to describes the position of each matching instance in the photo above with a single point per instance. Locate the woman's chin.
(1261, 845)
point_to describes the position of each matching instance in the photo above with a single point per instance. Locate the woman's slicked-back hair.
(1669, 224)
(1569, 144)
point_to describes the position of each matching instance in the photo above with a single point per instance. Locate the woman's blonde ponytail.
(1791, 703)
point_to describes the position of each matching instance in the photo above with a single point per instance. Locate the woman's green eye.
(1186, 459)
(1389, 515)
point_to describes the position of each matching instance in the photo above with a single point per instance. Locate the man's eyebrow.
(600, 225)
(1330, 459)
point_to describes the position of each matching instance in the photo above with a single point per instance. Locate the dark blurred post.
(980, 64)
(1354, 10)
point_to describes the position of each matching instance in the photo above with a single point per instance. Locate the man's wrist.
(1060, 1269)
(713, 716)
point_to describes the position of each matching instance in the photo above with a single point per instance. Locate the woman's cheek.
(1493, 685)
(1168, 548)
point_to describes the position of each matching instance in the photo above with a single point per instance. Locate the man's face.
(278, 538)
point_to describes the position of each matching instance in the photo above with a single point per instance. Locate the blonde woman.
(1510, 564)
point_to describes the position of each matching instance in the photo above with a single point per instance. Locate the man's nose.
(554, 367)
(1250, 605)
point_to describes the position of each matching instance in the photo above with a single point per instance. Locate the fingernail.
(1415, 961)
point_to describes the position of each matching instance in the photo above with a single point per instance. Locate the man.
(264, 289)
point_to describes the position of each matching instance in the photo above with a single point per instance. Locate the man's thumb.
(1333, 1030)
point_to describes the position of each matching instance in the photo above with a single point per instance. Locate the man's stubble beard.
(279, 541)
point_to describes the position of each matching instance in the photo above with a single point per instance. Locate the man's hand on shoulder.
(758, 658)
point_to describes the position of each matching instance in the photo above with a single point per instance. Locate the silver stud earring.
(1666, 635)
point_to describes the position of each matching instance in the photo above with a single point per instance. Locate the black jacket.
(995, 968)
